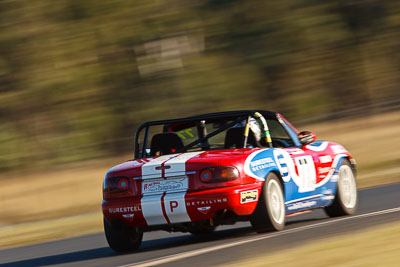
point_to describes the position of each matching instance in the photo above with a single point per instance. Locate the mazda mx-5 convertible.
(192, 174)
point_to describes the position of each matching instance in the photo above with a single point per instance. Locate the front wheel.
(269, 214)
(122, 238)
(346, 199)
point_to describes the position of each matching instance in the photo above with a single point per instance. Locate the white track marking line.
(196, 252)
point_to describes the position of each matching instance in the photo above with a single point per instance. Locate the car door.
(299, 165)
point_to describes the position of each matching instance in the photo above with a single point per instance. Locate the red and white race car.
(195, 173)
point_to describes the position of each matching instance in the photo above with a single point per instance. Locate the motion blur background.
(77, 77)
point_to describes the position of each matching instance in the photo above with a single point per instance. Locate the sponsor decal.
(248, 196)
(303, 199)
(148, 185)
(204, 210)
(325, 159)
(160, 186)
(128, 216)
(328, 197)
(259, 163)
(206, 202)
(185, 134)
(262, 164)
(302, 205)
(327, 194)
(124, 209)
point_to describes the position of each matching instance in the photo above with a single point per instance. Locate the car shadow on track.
(174, 242)
(148, 246)
(226, 234)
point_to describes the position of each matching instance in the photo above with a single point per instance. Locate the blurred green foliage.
(77, 77)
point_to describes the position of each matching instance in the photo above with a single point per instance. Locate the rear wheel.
(346, 199)
(122, 238)
(269, 214)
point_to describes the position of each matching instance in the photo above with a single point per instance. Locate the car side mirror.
(307, 137)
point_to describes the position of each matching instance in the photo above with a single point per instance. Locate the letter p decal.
(173, 204)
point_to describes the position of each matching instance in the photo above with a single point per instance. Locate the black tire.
(269, 214)
(122, 238)
(346, 198)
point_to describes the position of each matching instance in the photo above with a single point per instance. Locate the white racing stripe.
(178, 164)
(188, 254)
(174, 203)
(149, 168)
(152, 210)
(175, 207)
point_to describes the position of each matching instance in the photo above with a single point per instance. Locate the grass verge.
(377, 246)
(52, 229)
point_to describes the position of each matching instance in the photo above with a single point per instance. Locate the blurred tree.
(77, 77)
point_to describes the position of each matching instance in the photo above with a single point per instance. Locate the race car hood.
(179, 164)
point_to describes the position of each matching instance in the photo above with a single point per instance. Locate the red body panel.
(201, 200)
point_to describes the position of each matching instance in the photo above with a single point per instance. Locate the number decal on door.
(306, 170)
(304, 178)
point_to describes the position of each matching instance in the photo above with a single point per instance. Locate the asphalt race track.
(377, 205)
